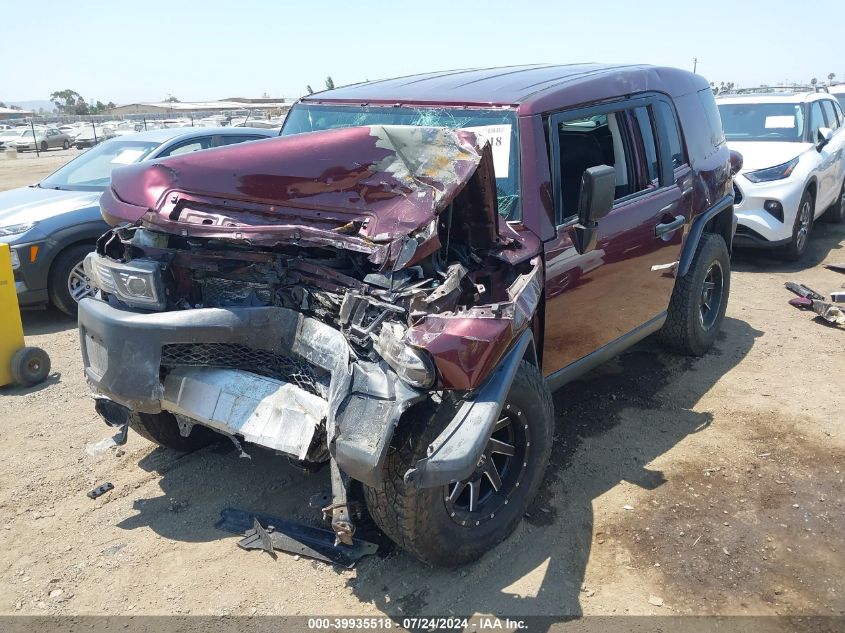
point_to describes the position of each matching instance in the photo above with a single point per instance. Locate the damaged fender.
(453, 455)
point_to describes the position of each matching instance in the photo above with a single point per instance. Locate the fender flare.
(454, 453)
(725, 203)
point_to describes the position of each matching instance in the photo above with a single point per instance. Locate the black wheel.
(44, 146)
(66, 144)
(163, 429)
(836, 213)
(68, 283)
(699, 300)
(30, 365)
(455, 524)
(801, 229)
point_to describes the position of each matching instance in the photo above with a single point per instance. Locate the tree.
(814, 81)
(69, 102)
(171, 99)
(329, 83)
(309, 89)
(3, 104)
(830, 78)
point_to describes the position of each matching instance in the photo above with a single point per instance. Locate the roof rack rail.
(783, 89)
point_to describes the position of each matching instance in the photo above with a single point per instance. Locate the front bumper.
(122, 357)
(756, 226)
(32, 275)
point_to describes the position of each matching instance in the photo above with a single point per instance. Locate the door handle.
(668, 227)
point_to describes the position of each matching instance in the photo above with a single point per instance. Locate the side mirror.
(824, 136)
(595, 200)
(736, 162)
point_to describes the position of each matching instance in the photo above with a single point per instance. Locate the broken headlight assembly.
(412, 365)
(137, 284)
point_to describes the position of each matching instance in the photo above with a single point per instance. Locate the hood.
(763, 154)
(363, 188)
(33, 204)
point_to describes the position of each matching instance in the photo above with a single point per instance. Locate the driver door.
(625, 283)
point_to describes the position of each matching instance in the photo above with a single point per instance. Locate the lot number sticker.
(500, 142)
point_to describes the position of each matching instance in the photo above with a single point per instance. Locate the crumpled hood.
(361, 188)
(33, 204)
(762, 154)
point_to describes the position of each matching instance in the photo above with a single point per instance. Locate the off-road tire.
(795, 250)
(62, 266)
(417, 519)
(683, 330)
(162, 429)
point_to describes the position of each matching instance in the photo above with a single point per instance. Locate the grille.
(234, 356)
(737, 195)
(218, 293)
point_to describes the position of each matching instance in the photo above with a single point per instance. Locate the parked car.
(8, 137)
(793, 167)
(53, 224)
(45, 138)
(91, 135)
(399, 300)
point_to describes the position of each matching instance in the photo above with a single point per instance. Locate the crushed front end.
(301, 294)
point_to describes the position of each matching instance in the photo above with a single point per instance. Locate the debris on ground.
(268, 533)
(840, 268)
(96, 449)
(100, 490)
(809, 299)
(654, 600)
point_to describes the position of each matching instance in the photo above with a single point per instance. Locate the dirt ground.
(678, 486)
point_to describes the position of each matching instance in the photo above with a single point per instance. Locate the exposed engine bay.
(312, 338)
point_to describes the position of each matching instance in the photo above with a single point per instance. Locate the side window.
(669, 125)
(588, 141)
(830, 114)
(647, 133)
(187, 147)
(838, 112)
(232, 140)
(816, 120)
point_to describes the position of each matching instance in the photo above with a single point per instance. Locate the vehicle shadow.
(610, 425)
(50, 321)
(825, 239)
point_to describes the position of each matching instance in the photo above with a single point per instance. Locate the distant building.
(182, 107)
(11, 113)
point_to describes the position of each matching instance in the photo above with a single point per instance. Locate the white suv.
(793, 169)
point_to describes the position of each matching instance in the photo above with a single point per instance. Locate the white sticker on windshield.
(128, 156)
(780, 122)
(500, 142)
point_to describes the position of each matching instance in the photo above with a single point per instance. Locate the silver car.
(45, 138)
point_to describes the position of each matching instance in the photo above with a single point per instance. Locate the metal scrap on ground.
(809, 299)
(268, 533)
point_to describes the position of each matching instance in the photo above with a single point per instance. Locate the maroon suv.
(396, 285)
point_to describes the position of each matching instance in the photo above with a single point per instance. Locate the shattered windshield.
(498, 125)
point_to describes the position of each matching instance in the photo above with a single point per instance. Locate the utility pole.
(694, 64)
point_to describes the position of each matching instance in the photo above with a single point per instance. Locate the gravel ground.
(677, 486)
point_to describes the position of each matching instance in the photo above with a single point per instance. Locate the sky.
(144, 51)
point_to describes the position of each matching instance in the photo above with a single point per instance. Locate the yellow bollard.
(18, 364)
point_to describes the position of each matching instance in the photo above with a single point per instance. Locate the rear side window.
(838, 112)
(816, 120)
(830, 115)
(711, 113)
(669, 125)
(232, 140)
(647, 134)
